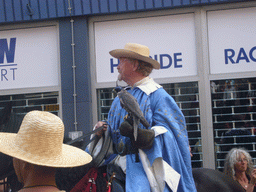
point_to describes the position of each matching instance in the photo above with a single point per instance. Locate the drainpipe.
(73, 62)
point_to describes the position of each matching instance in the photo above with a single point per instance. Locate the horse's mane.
(9, 122)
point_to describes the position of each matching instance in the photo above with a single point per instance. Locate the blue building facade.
(77, 94)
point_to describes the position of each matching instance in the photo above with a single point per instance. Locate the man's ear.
(26, 165)
(135, 65)
(20, 169)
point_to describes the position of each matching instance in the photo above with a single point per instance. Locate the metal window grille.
(234, 116)
(23, 103)
(186, 97)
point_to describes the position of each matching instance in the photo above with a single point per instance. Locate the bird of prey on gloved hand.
(130, 104)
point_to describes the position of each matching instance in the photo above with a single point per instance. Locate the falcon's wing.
(130, 104)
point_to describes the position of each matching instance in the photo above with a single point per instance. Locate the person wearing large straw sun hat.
(159, 158)
(37, 149)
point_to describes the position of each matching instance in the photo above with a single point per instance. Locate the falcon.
(130, 104)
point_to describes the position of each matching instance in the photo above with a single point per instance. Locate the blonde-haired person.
(239, 166)
(37, 149)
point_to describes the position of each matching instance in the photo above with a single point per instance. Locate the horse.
(206, 180)
(210, 180)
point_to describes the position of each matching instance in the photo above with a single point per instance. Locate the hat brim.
(117, 53)
(70, 156)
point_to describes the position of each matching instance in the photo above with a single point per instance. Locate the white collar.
(147, 85)
(141, 81)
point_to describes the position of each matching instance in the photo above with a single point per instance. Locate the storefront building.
(54, 57)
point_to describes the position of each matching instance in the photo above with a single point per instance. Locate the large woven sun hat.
(40, 141)
(135, 51)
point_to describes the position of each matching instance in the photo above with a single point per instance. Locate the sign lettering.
(8, 52)
(165, 61)
(232, 57)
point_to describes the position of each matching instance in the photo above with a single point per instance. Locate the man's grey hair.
(233, 156)
(144, 68)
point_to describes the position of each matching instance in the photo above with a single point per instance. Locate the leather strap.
(86, 135)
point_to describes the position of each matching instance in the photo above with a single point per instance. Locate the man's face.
(125, 69)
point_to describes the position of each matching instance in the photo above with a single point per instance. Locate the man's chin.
(119, 78)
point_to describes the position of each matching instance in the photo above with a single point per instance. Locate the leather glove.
(145, 137)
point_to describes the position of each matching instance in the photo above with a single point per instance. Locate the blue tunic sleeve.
(173, 145)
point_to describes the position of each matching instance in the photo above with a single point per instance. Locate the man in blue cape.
(158, 159)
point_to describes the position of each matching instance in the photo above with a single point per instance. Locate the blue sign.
(7, 70)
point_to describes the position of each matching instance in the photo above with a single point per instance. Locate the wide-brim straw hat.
(135, 51)
(40, 141)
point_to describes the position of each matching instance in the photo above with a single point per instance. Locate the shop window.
(234, 116)
(23, 103)
(105, 99)
(187, 98)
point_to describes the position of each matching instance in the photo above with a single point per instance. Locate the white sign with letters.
(232, 42)
(29, 58)
(171, 40)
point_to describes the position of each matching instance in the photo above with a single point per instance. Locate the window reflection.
(234, 116)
